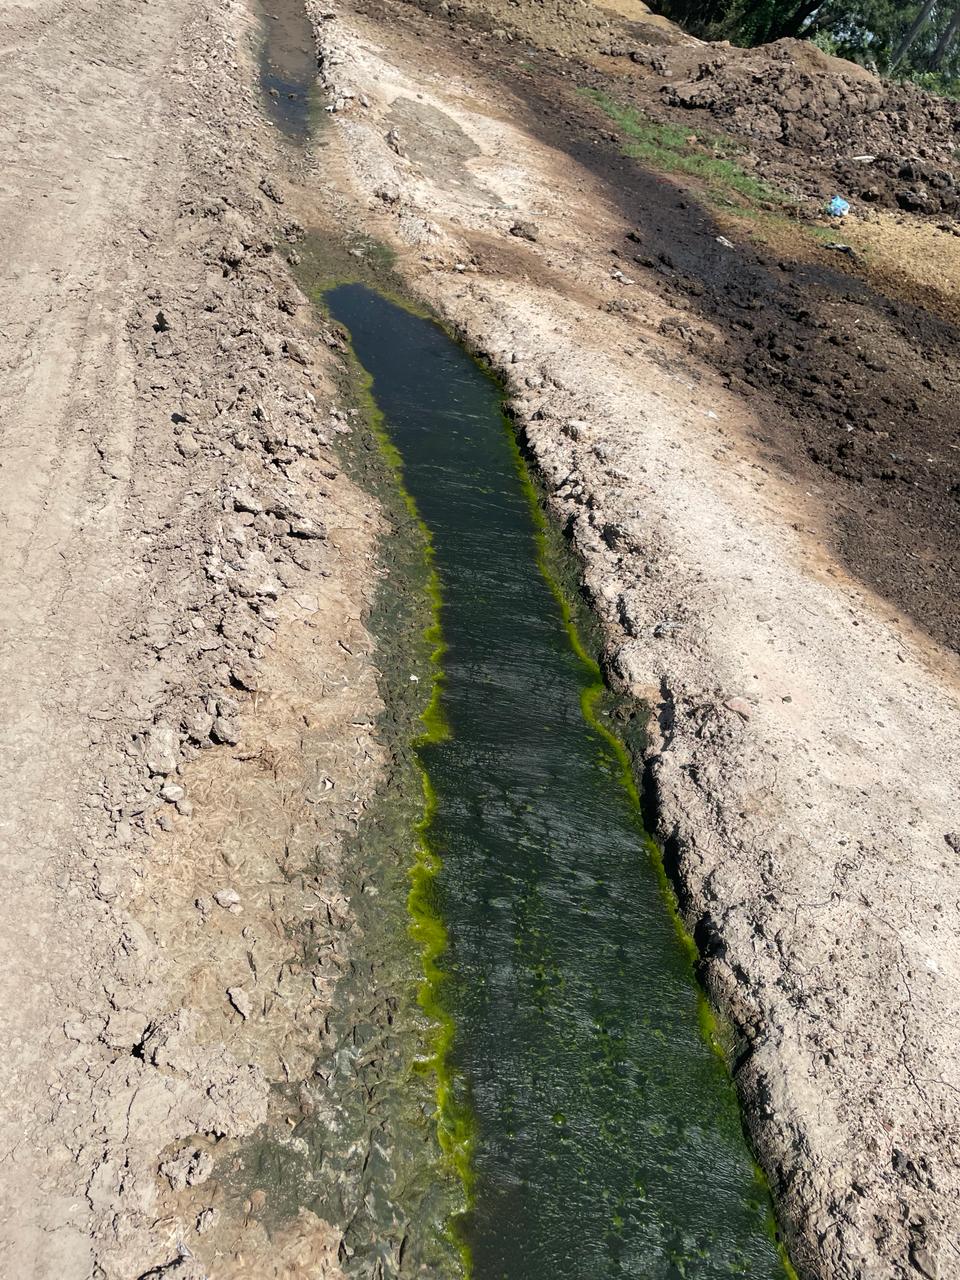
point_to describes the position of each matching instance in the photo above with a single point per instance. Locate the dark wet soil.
(856, 393)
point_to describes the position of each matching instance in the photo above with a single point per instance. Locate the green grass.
(710, 158)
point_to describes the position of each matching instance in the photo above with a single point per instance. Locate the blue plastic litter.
(838, 207)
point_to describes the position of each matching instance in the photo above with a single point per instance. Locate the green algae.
(552, 561)
(457, 1121)
(454, 1121)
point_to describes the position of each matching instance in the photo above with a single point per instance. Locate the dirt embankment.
(188, 703)
(803, 742)
(815, 123)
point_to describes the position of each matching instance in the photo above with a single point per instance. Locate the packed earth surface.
(743, 414)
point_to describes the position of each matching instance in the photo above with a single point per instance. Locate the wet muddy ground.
(288, 67)
(858, 392)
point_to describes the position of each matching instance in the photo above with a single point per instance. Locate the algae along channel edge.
(596, 1130)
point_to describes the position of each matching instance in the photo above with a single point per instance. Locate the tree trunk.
(919, 22)
(794, 24)
(946, 40)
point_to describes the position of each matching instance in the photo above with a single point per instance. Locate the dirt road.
(83, 118)
(174, 536)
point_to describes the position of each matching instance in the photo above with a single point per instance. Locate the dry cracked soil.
(751, 440)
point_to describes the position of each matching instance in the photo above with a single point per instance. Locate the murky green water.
(607, 1137)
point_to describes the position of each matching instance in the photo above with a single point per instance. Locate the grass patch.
(711, 158)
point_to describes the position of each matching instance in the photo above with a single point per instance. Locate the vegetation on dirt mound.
(711, 157)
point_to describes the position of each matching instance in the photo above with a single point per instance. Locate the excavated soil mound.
(814, 124)
(818, 122)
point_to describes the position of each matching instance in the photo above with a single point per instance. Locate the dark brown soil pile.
(815, 125)
(869, 140)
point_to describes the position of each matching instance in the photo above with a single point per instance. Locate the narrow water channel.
(288, 66)
(607, 1140)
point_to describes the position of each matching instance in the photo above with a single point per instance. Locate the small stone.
(198, 726)
(270, 191)
(232, 252)
(80, 1031)
(225, 732)
(187, 1168)
(244, 676)
(187, 446)
(912, 201)
(107, 888)
(296, 351)
(124, 1030)
(206, 1219)
(241, 1001)
(229, 899)
(160, 748)
(924, 1262)
(247, 500)
(172, 792)
(525, 230)
(953, 840)
(740, 706)
(304, 527)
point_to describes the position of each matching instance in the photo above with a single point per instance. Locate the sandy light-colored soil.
(187, 703)
(803, 742)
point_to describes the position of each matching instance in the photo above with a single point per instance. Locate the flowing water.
(605, 1137)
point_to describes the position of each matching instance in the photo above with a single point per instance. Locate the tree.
(918, 39)
(947, 37)
(793, 23)
(918, 24)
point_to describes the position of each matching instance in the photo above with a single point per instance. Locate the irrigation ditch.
(440, 1149)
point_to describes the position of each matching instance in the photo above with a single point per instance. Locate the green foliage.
(826, 42)
(939, 82)
(708, 157)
